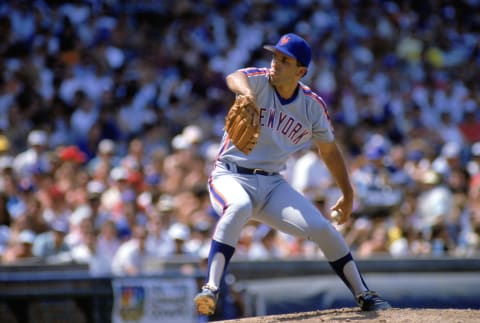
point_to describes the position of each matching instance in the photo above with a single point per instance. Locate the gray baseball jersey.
(286, 126)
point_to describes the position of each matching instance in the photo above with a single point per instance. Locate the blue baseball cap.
(294, 46)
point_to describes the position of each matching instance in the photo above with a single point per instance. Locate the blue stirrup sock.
(227, 252)
(339, 266)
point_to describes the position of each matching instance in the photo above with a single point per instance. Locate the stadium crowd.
(110, 115)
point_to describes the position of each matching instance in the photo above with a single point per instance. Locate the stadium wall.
(54, 293)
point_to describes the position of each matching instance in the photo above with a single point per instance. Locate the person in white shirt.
(98, 250)
(130, 258)
(159, 242)
(310, 175)
(35, 157)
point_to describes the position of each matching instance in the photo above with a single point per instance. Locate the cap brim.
(272, 48)
(269, 48)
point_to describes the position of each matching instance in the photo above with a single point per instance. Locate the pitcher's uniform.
(244, 187)
(251, 187)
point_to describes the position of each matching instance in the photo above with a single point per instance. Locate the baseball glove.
(242, 123)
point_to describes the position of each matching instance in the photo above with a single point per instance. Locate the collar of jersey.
(289, 100)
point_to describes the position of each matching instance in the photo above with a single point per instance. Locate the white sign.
(145, 300)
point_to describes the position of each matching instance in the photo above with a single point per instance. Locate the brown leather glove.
(242, 123)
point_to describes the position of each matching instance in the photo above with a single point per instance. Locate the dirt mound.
(403, 315)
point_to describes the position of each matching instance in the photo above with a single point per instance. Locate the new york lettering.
(284, 124)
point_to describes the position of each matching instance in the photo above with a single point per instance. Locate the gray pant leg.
(290, 212)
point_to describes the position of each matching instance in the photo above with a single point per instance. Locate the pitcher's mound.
(400, 315)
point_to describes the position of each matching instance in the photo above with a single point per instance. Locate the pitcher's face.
(284, 69)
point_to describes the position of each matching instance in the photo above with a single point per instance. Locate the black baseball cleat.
(206, 300)
(370, 301)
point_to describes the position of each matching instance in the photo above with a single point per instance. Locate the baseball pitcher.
(275, 115)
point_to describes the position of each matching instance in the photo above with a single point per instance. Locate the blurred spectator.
(132, 256)
(51, 245)
(199, 242)
(420, 244)
(105, 155)
(376, 242)
(448, 130)
(264, 246)
(99, 250)
(398, 236)
(358, 232)
(441, 242)
(71, 154)
(473, 164)
(245, 241)
(396, 163)
(5, 221)
(35, 157)
(26, 205)
(19, 251)
(130, 215)
(154, 171)
(118, 185)
(157, 136)
(94, 191)
(183, 168)
(376, 190)
(84, 116)
(180, 234)
(70, 176)
(134, 160)
(57, 207)
(159, 241)
(81, 224)
(435, 201)
(470, 125)
(450, 157)
(301, 248)
(187, 202)
(310, 174)
(86, 253)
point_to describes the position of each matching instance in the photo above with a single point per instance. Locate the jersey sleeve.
(322, 128)
(257, 77)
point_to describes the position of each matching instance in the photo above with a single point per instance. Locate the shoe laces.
(211, 288)
(369, 294)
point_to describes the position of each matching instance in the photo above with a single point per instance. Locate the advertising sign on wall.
(145, 300)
